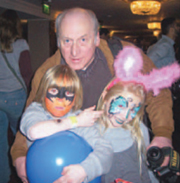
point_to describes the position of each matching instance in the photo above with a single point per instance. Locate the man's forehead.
(76, 33)
(77, 17)
(75, 21)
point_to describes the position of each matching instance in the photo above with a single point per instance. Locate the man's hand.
(72, 174)
(161, 142)
(88, 117)
(20, 164)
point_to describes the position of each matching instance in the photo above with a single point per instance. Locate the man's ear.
(171, 30)
(97, 40)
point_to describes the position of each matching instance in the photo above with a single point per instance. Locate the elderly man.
(80, 47)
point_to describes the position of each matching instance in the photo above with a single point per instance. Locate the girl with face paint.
(123, 102)
(57, 108)
(121, 124)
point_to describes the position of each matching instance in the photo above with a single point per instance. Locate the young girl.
(57, 108)
(123, 102)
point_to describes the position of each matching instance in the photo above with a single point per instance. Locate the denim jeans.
(11, 108)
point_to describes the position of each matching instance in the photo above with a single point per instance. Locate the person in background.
(104, 33)
(162, 53)
(140, 42)
(15, 76)
(153, 41)
(114, 42)
(81, 48)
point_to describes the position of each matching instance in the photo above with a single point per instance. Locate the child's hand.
(88, 117)
(72, 174)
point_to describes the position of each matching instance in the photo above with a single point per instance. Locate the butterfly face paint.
(123, 108)
(59, 101)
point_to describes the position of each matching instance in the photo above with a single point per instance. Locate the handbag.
(13, 71)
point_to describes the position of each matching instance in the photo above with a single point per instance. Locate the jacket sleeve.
(19, 147)
(159, 108)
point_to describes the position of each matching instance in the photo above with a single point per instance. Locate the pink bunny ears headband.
(128, 65)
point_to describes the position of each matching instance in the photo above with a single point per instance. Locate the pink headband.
(128, 65)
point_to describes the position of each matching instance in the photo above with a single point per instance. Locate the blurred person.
(15, 75)
(162, 53)
(104, 33)
(140, 42)
(80, 47)
(114, 42)
(152, 42)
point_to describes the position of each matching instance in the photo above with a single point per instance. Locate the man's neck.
(172, 36)
(88, 64)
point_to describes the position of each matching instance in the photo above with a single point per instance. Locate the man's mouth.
(75, 60)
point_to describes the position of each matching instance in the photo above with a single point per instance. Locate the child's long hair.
(50, 78)
(134, 125)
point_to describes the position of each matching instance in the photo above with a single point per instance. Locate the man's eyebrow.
(65, 37)
(83, 35)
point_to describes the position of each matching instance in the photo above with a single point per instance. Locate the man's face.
(59, 101)
(77, 41)
(123, 108)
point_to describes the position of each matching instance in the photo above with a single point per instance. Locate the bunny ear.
(128, 63)
(161, 78)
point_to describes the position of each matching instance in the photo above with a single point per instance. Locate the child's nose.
(126, 114)
(60, 99)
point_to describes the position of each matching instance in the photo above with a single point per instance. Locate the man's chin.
(79, 65)
(76, 66)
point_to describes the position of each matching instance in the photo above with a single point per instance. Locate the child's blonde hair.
(72, 83)
(134, 125)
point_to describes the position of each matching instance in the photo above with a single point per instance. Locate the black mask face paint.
(61, 93)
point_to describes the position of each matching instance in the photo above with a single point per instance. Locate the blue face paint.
(134, 111)
(117, 105)
(120, 105)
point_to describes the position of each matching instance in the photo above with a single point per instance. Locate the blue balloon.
(47, 157)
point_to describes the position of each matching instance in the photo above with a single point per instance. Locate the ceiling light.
(154, 25)
(23, 21)
(156, 33)
(145, 7)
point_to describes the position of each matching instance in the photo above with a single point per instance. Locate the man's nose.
(75, 49)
